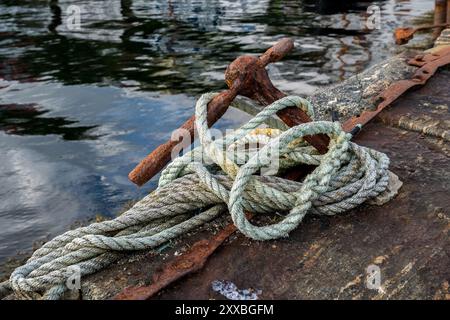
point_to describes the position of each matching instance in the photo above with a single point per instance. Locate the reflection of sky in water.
(78, 109)
(49, 182)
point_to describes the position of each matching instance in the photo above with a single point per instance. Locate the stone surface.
(358, 93)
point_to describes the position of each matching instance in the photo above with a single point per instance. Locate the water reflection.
(145, 41)
(79, 108)
(28, 119)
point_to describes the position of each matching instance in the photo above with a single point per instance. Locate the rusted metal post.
(440, 16)
(246, 76)
(403, 35)
(448, 11)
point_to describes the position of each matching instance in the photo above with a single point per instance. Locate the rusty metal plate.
(429, 64)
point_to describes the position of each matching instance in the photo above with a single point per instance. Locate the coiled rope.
(235, 173)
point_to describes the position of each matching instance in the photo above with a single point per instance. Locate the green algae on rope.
(191, 193)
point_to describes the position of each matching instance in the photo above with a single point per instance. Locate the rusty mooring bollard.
(440, 16)
(245, 76)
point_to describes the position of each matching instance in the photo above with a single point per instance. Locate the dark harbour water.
(79, 108)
